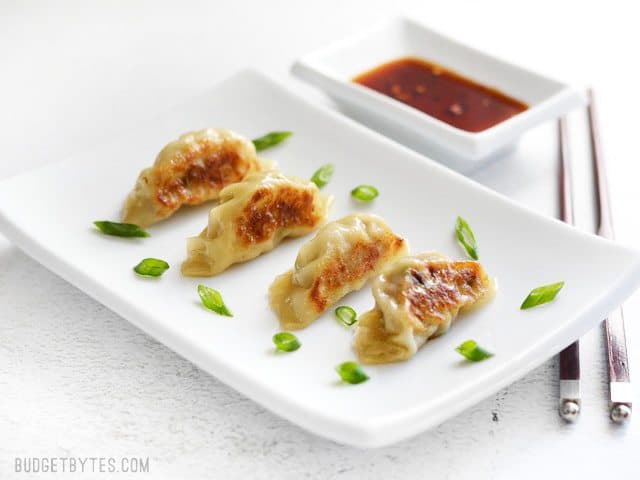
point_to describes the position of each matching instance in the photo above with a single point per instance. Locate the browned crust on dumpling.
(340, 259)
(271, 209)
(196, 171)
(417, 298)
(440, 289)
(362, 259)
(253, 217)
(190, 171)
(187, 182)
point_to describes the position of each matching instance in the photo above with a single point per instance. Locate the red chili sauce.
(442, 93)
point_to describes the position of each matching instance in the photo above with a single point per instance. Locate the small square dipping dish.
(333, 68)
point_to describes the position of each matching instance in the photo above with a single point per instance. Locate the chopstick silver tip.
(569, 409)
(621, 413)
(570, 399)
(620, 395)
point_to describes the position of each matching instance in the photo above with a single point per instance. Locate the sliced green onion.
(346, 315)
(471, 351)
(541, 295)
(151, 267)
(364, 193)
(351, 372)
(120, 229)
(466, 238)
(270, 139)
(212, 299)
(323, 175)
(286, 342)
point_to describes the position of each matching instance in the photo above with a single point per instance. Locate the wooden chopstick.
(570, 395)
(620, 393)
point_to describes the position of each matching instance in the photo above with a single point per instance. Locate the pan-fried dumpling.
(252, 218)
(189, 171)
(417, 298)
(341, 257)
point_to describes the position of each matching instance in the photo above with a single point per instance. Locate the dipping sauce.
(442, 93)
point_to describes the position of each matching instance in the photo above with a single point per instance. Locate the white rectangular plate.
(49, 213)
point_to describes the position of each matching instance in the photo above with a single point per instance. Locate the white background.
(77, 380)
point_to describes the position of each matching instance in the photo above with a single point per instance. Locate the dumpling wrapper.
(342, 256)
(253, 217)
(417, 298)
(189, 171)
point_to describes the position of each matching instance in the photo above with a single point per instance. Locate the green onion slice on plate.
(120, 229)
(346, 315)
(351, 372)
(212, 300)
(286, 342)
(541, 295)
(364, 193)
(323, 175)
(270, 140)
(151, 267)
(466, 238)
(471, 351)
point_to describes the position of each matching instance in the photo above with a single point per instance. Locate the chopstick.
(570, 395)
(620, 393)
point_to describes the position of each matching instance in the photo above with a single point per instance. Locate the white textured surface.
(77, 380)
